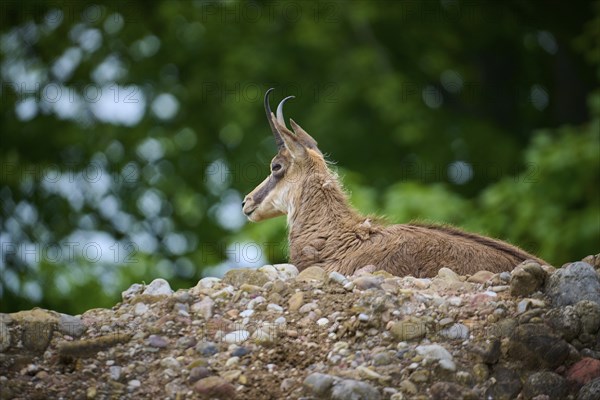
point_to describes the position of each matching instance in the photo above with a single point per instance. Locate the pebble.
(158, 287)
(545, 383)
(132, 291)
(286, 271)
(250, 288)
(185, 342)
(308, 307)
(527, 278)
(571, 284)
(408, 387)
(140, 309)
(322, 322)
(236, 337)
(4, 336)
(276, 308)
(286, 384)
(114, 372)
(455, 301)
(456, 332)
(506, 385)
(351, 389)
(198, 373)
(134, 384)
(312, 274)
(368, 373)
(584, 371)
(232, 361)
(254, 302)
(422, 283)
(590, 391)
(71, 326)
(384, 358)
(565, 321)
(170, 362)
(589, 315)
(448, 275)
(239, 276)
(215, 387)
(367, 282)
(157, 341)
(270, 271)
(207, 349)
(263, 336)
(247, 313)
(240, 351)
(451, 391)
(420, 376)
(296, 301)
(448, 365)
(207, 283)
(535, 344)
(338, 278)
(480, 277)
(434, 352)
(319, 384)
(408, 329)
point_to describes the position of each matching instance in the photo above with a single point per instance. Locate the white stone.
(448, 365)
(275, 308)
(208, 282)
(286, 271)
(434, 352)
(140, 309)
(115, 372)
(133, 290)
(455, 301)
(158, 287)
(252, 303)
(236, 336)
(322, 321)
(170, 362)
(337, 277)
(204, 307)
(262, 336)
(270, 271)
(246, 313)
(308, 307)
(134, 383)
(232, 361)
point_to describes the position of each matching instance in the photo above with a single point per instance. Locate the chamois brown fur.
(324, 230)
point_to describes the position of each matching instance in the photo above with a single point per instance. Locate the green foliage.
(139, 126)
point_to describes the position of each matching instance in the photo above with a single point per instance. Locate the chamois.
(324, 230)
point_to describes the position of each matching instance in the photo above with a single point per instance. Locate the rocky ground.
(272, 333)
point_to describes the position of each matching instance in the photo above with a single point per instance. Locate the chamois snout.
(248, 206)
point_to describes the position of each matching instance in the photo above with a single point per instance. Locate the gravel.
(279, 333)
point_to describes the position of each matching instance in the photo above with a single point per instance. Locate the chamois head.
(297, 158)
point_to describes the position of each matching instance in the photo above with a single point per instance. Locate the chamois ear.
(291, 142)
(304, 137)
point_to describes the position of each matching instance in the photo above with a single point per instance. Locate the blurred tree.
(130, 131)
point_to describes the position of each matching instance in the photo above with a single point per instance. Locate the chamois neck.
(320, 204)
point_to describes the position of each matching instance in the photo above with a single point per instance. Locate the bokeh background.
(131, 130)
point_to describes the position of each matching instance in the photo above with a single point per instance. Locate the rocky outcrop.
(273, 333)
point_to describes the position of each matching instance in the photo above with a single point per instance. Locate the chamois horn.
(280, 110)
(276, 134)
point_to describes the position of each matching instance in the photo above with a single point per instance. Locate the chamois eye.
(275, 167)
